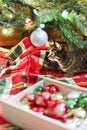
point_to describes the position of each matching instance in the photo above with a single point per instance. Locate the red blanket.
(23, 64)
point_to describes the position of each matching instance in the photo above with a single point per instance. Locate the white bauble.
(39, 37)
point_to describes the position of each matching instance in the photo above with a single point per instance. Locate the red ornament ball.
(42, 98)
(31, 99)
(58, 110)
(51, 89)
(39, 110)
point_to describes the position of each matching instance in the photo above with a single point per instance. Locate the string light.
(5, 31)
(8, 31)
(64, 14)
(23, 73)
(42, 25)
(35, 11)
(10, 16)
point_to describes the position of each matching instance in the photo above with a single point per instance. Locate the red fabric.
(81, 79)
(27, 69)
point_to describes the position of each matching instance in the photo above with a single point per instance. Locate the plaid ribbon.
(27, 63)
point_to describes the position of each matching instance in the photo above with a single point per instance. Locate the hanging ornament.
(39, 37)
(29, 24)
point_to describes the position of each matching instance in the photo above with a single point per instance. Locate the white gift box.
(30, 120)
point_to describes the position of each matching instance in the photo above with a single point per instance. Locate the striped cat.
(70, 62)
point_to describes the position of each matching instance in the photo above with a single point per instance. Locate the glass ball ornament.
(39, 37)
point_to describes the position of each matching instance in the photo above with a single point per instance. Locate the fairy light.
(35, 11)
(5, 31)
(8, 30)
(23, 72)
(64, 14)
(42, 25)
(11, 16)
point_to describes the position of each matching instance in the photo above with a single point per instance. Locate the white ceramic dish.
(30, 120)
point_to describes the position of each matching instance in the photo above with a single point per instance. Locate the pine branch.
(65, 26)
(49, 12)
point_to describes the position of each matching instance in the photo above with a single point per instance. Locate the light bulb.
(8, 31)
(5, 31)
(35, 11)
(42, 25)
(23, 72)
(64, 14)
(11, 16)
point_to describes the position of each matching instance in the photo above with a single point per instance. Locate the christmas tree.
(66, 16)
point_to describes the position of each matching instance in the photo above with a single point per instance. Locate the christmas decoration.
(62, 17)
(83, 101)
(57, 96)
(31, 99)
(39, 37)
(70, 22)
(65, 14)
(42, 98)
(51, 89)
(8, 31)
(39, 89)
(14, 13)
(39, 110)
(58, 110)
(49, 101)
(20, 61)
(29, 24)
(73, 95)
(80, 113)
